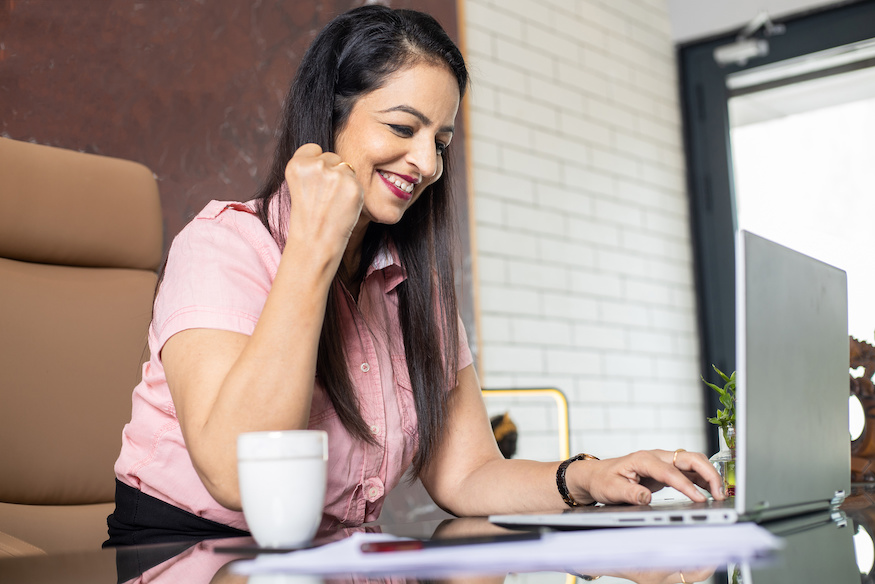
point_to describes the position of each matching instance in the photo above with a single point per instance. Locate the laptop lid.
(793, 446)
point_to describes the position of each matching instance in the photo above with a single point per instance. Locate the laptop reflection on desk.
(792, 447)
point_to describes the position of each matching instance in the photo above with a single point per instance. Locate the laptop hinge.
(837, 499)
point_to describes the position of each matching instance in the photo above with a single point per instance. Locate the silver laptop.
(793, 446)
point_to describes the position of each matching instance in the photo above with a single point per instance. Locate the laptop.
(792, 442)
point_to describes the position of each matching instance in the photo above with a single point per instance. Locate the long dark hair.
(352, 56)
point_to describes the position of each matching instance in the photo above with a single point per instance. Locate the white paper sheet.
(580, 551)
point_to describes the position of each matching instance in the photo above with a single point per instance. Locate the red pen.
(408, 545)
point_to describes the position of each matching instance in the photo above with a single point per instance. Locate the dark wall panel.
(190, 88)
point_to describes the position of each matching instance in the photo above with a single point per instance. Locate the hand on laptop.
(633, 478)
(662, 577)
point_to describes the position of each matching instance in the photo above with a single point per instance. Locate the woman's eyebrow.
(418, 114)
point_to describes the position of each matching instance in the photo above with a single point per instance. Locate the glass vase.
(724, 461)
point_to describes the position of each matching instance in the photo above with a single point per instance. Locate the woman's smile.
(401, 186)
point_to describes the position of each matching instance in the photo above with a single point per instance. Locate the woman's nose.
(425, 157)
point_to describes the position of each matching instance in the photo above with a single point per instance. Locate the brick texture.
(581, 218)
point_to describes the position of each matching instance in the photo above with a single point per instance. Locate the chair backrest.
(80, 246)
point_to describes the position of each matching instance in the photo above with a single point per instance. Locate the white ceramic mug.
(282, 485)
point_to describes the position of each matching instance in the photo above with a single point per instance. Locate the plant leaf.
(721, 374)
(716, 388)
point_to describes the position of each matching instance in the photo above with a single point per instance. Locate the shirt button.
(375, 430)
(366, 367)
(373, 489)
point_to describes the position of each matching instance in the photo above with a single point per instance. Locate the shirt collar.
(388, 261)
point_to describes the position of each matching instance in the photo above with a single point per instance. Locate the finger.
(623, 489)
(311, 160)
(308, 150)
(680, 482)
(658, 466)
(697, 480)
(333, 160)
(347, 165)
(706, 485)
(629, 493)
(313, 153)
(696, 464)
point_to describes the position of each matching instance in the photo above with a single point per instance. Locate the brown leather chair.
(80, 245)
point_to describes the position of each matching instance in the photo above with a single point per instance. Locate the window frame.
(704, 100)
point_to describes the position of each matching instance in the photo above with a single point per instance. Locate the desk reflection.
(211, 561)
(816, 549)
(860, 508)
(819, 548)
(205, 562)
(202, 563)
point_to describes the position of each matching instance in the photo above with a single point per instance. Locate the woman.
(328, 302)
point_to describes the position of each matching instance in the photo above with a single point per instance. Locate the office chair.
(80, 245)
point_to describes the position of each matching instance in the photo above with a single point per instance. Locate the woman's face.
(395, 137)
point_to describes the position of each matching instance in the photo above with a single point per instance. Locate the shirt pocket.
(404, 395)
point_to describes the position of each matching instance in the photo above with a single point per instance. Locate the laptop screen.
(792, 358)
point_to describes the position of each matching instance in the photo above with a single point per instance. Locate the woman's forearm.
(224, 383)
(505, 486)
(469, 476)
(270, 385)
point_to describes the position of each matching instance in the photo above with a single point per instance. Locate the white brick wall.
(581, 218)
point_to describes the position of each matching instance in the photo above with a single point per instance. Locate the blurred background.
(591, 205)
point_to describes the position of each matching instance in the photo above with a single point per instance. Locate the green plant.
(725, 417)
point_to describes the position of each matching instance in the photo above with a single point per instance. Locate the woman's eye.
(441, 147)
(403, 131)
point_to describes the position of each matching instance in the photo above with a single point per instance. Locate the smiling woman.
(322, 302)
(327, 302)
(396, 136)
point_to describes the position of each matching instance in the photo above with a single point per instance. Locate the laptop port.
(676, 519)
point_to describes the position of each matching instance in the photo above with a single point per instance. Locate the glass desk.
(817, 549)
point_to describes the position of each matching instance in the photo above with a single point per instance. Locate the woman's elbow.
(223, 488)
(229, 499)
(446, 499)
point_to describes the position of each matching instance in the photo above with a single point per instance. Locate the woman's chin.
(387, 217)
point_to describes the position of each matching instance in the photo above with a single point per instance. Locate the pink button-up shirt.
(219, 272)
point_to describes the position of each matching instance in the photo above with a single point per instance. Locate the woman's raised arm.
(225, 383)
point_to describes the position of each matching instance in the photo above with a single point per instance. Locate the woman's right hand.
(326, 200)
(631, 479)
(661, 577)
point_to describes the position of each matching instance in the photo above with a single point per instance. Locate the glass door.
(803, 156)
(778, 127)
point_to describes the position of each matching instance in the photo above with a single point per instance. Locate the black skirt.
(141, 519)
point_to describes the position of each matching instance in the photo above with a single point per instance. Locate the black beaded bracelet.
(560, 479)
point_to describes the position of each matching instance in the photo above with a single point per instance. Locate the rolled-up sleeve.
(219, 273)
